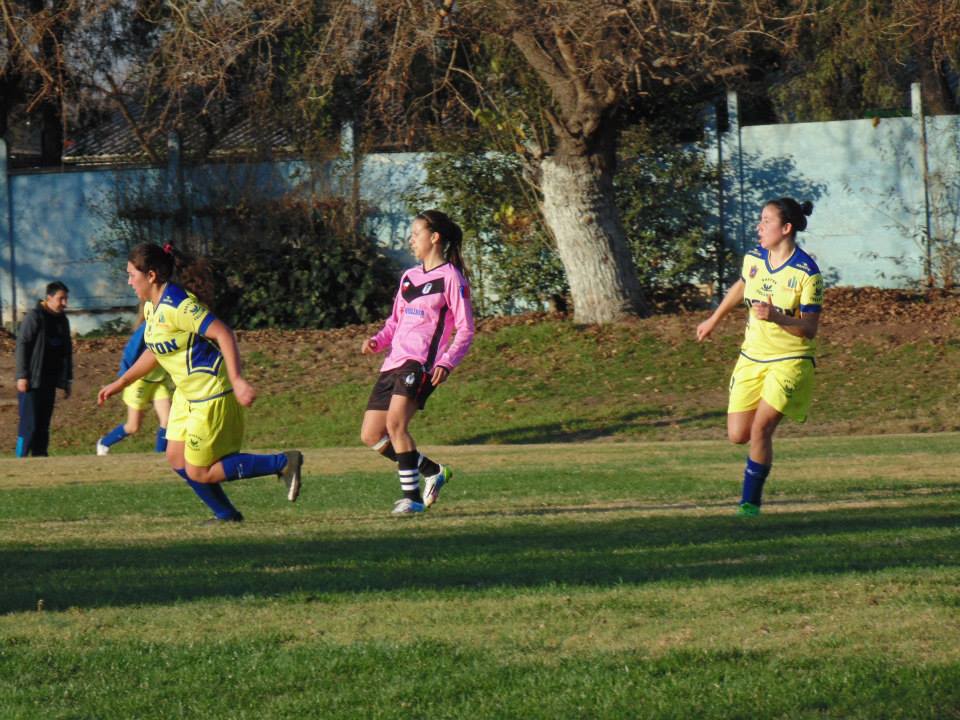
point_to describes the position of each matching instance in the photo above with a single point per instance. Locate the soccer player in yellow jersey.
(782, 288)
(205, 428)
(138, 397)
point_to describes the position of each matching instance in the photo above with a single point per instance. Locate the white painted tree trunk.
(579, 209)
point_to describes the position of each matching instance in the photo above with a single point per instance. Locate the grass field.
(604, 580)
(550, 381)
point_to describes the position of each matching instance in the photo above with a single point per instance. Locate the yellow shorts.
(141, 394)
(785, 385)
(209, 429)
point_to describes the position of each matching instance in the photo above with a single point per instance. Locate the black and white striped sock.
(427, 466)
(409, 475)
(424, 464)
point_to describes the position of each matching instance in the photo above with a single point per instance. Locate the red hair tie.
(168, 249)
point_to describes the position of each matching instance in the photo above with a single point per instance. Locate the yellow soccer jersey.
(174, 335)
(157, 375)
(796, 286)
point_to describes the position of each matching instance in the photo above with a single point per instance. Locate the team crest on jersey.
(426, 288)
(792, 283)
(410, 379)
(753, 271)
(465, 292)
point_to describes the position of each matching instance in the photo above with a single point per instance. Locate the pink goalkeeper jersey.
(428, 306)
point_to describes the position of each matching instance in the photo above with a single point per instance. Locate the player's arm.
(144, 364)
(381, 341)
(461, 309)
(731, 300)
(804, 325)
(220, 333)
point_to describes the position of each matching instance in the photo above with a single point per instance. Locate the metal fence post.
(916, 109)
(6, 233)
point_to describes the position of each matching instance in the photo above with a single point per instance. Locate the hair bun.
(806, 207)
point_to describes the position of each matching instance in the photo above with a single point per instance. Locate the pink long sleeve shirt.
(428, 306)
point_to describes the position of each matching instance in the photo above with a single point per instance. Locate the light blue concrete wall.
(385, 179)
(58, 218)
(866, 190)
(54, 227)
(865, 178)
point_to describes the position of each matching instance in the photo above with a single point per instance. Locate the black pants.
(36, 411)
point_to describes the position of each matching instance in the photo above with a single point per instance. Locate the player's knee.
(738, 436)
(369, 438)
(396, 426)
(199, 475)
(174, 459)
(762, 431)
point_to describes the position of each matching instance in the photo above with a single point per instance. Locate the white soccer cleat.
(406, 506)
(433, 483)
(290, 475)
(101, 448)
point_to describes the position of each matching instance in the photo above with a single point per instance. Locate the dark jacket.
(32, 344)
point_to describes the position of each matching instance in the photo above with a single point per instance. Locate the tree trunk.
(579, 209)
(938, 98)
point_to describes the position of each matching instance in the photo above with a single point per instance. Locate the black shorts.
(410, 380)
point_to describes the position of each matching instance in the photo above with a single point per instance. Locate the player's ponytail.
(189, 271)
(451, 237)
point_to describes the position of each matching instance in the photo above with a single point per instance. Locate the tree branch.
(547, 69)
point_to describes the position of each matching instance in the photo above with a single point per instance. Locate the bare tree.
(407, 61)
(596, 58)
(160, 64)
(860, 55)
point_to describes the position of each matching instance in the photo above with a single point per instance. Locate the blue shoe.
(433, 483)
(748, 510)
(406, 506)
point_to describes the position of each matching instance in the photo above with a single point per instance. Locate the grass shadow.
(526, 553)
(583, 429)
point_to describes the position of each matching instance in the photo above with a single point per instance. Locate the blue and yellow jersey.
(174, 335)
(795, 287)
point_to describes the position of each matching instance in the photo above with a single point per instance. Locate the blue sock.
(114, 436)
(161, 444)
(221, 495)
(754, 475)
(244, 465)
(212, 495)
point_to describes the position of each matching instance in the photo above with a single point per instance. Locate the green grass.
(554, 381)
(604, 580)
